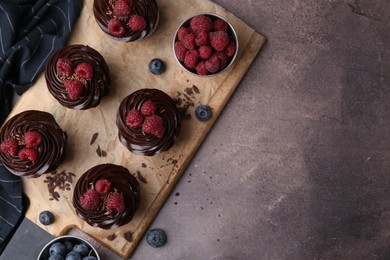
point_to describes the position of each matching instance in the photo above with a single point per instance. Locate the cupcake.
(126, 20)
(77, 76)
(32, 143)
(106, 196)
(148, 122)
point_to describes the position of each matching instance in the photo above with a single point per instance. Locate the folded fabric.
(30, 32)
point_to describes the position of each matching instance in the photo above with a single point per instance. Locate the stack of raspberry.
(205, 45)
(27, 148)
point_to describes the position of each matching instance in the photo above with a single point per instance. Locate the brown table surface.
(297, 165)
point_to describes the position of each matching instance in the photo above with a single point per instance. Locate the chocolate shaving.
(128, 236)
(143, 165)
(94, 137)
(111, 237)
(140, 177)
(195, 88)
(99, 151)
(58, 180)
(104, 153)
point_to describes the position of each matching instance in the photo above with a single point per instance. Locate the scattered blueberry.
(69, 245)
(156, 237)
(156, 66)
(82, 249)
(203, 112)
(46, 217)
(58, 248)
(89, 258)
(73, 255)
(56, 257)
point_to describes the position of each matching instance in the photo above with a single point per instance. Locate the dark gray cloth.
(30, 32)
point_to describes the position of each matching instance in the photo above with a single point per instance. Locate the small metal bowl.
(44, 254)
(232, 35)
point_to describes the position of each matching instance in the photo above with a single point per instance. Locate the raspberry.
(212, 64)
(191, 59)
(148, 108)
(102, 186)
(84, 70)
(121, 8)
(201, 23)
(189, 41)
(230, 49)
(154, 125)
(9, 146)
(202, 38)
(180, 51)
(219, 40)
(222, 59)
(32, 139)
(28, 153)
(64, 67)
(220, 25)
(201, 69)
(134, 118)
(137, 23)
(75, 89)
(205, 52)
(116, 28)
(115, 202)
(183, 31)
(90, 200)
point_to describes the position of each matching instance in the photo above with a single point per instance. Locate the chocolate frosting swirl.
(95, 89)
(142, 143)
(121, 181)
(50, 152)
(146, 8)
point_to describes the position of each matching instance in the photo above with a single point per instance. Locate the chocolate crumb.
(143, 165)
(175, 203)
(140, 177)
(99, 151)
(111, 237)
(128, 236)
(177, 194)
(201, 208)
(94, 137)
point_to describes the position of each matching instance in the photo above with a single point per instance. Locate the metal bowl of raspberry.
(68, 247)
(205, 44)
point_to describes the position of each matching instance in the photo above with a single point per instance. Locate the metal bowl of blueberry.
(68, 248)
(205, 44)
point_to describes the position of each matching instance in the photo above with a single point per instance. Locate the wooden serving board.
(128, 63)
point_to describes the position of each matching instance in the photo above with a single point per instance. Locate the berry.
(116, 28)
(73, 255)
(137, 23)
(203, 112)
(57, 248)
(90, 200)
(202, 38)
(46, 217)
(156, 237)
(121, 8)
(230, 49)
(91, 257)
(183, 31)
(154, 125)
(180, 51)
(102, 186)
(156, 66)
(189, 41)
(56, 257)
(205, 52)
(219, 40)
(64, 67)
(32, 139)
(220, 25)
(201, 69)
(28, 153)
(222, 59)
(191, 59)
(82, 249)
(69, 245)
(84, 70)
(148, 108)
(9, 146)
(134, 118)
(212, 64)
(201, 23)
(75, 89)
(115, 202)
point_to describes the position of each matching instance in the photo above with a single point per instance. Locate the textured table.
(297, 165)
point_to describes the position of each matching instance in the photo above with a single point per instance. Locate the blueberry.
(203, 112)
(89, 258)
(156, 66)
(46, 217)
(58, 248)
(156, 237)
(82, 249)
(69, 245)
(56, 257)
(73, 255)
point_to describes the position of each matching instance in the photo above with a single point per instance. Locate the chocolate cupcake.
(106, 196)
(32, 143)
(148, 122)
(126, 20)
(77, 76)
